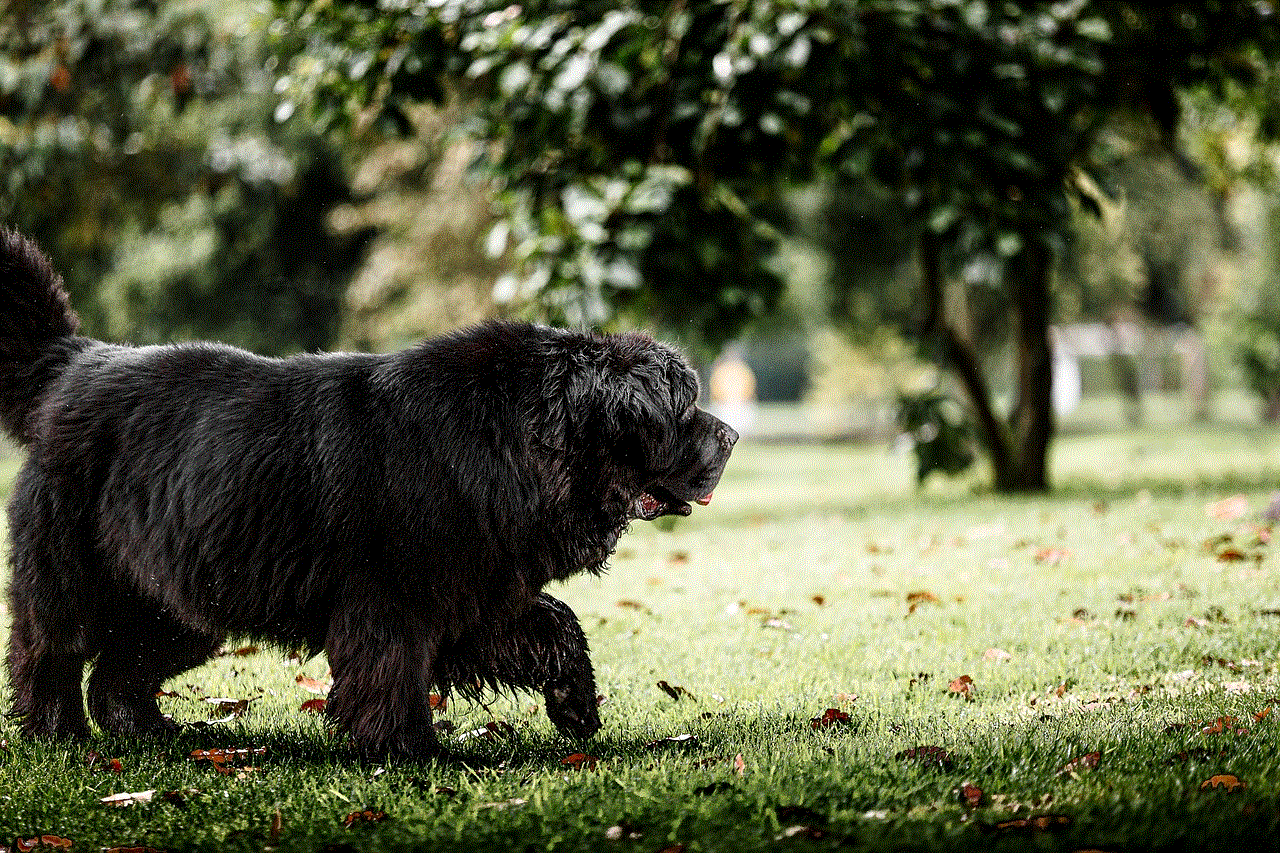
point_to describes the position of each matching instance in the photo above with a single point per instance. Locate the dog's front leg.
(382, 656)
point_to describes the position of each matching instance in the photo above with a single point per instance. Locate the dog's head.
(655, 429)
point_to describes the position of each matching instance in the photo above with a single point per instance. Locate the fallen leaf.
(678, 557)
(628, 604)
(1225, 780)
(1051, 556)
(922, 596)
(818, 600)
(1222, 725)
(997, 655)
(1040, 823)
(1228, 509)
(95, 760)
(231, 708)
(24, 844)
(580, 761)
(219, 758)
(245, 651)
(971, 795)
(436, 702)
(962, 686)
(314, 706)
(128, 799)
(495, 729)
(675, 691)
(932, 757)
(829, 717)
(312, 685)
(1088, 761)
(1263, 714)
(366, 816)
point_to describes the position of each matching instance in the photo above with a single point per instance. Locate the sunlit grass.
(791, 594)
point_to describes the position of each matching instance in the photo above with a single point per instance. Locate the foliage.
(141, 149)
(940, 433)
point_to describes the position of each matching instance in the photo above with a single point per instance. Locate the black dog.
(400, 512)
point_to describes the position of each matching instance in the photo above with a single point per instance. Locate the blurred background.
(962, 227)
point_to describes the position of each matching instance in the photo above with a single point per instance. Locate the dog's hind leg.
(141, 649)
(46, 662)
(545, 650)
(53, 617)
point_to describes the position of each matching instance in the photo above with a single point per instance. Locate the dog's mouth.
(658, 502)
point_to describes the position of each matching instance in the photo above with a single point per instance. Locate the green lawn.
(1114, 624)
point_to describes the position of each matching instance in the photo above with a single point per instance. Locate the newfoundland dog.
(400, 512)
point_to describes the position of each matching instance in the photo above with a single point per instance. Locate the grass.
(1126, 636)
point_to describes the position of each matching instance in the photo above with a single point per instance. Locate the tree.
(141, 149)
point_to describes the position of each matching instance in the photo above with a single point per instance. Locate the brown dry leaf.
(678, 557)
(1225, 781)
(128, 799)
(494, 729)
(312, 685)
(818, 600)
(1263, 714)
(1232, 555)
(436, 702)
(226, 707)
(95, 760)
(580, 761)
(245, 651)
(25, 844)
(1222, 725)
(931, 757)
(314, 706)
(971, 795)
(219, 759)
(675, 691)
(996, 655)
(830, 717)
(1051, 556)
(1228, 509)
(922, 596)
(627, 604)
(962, 686)
(366, 816)
(1088, 761)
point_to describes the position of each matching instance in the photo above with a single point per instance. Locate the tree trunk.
(1031, 421)
(1019, 449)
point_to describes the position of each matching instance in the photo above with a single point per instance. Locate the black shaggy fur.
(400, 512)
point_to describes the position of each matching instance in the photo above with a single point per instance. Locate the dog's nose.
(727, 436)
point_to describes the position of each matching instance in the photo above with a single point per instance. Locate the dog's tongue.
(705, 499)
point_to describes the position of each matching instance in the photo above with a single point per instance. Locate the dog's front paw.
(574, 711)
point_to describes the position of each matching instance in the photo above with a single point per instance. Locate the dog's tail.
(35, 317)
